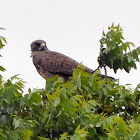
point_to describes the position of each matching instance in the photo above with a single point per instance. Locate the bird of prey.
(49, 63)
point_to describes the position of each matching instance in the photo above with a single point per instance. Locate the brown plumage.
(49, 63)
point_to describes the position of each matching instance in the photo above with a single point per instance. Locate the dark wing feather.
(54, 62)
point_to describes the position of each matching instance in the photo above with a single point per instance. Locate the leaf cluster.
(2, 44)
(86, 107)
(115, 52)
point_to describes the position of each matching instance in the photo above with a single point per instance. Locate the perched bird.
(49, 63)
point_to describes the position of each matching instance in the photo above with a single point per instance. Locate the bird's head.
(38, 45)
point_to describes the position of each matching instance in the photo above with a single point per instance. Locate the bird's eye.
(37, 44)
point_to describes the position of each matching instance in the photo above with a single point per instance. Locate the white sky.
(72, 27)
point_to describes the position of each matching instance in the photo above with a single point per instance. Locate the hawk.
(49, 63)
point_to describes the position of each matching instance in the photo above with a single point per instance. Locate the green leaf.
(138, 50)
(2, 69)
(27, 134)
(29, 90)
(126, 65)
(137, 135)
(128, 45)
(109, 87)
(1, 44)
(135, 55)
(77, 129)
(37, 113)
(103, 33)
(94, 103)
(117, 64)
(94, 121)
(3, 38)
(16, 123)
(22, 101)
(9, 95)
(63, 96)
(3, 119)
(41, 138)
(15, 136)
(138, 118)
(30, 95)
(120, 35)
(79, 80)
(105, 90)
(109, 108)
(118, 28)
(2, 28)
(130, 57)
(133, 65)
(124, 46)
(117, 38)
(35, 98)
(112, 26)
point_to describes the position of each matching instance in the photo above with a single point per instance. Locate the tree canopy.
(85, 107)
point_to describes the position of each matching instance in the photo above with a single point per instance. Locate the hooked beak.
(43, 46)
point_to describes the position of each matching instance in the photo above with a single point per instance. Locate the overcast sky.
(72, 27)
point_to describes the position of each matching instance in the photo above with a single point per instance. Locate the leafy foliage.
(2, 41)
(115, 52)
(85, 107)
